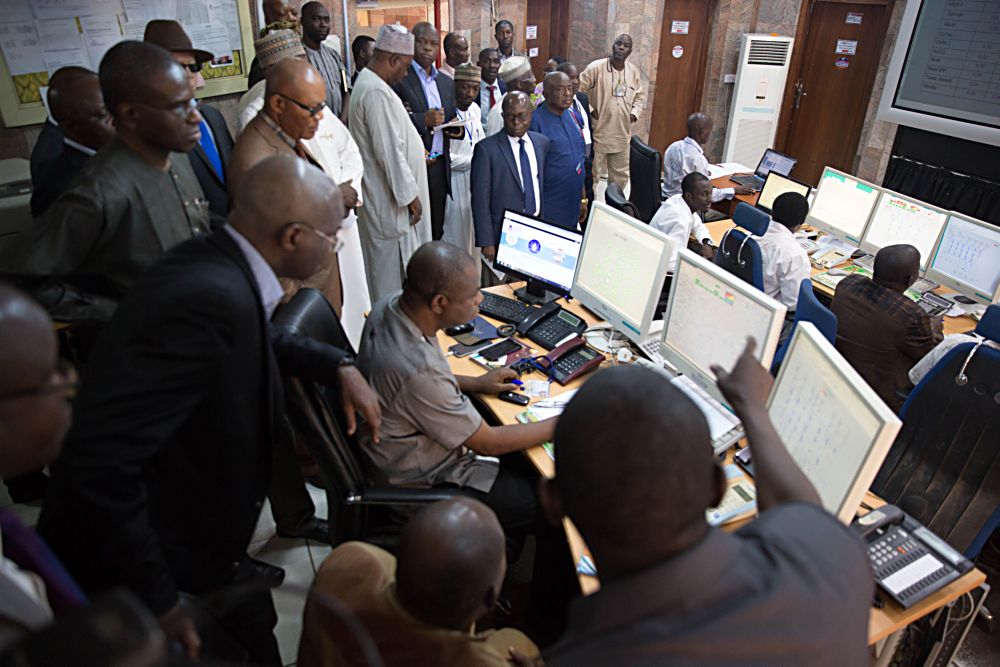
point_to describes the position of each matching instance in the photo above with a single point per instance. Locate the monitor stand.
(535, 294)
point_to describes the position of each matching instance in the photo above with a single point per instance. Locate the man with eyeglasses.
(210, 157)
(164, 472)
(133, 201)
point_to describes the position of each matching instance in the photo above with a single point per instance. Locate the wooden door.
(549, 20)
(680, 70)
(837, 50)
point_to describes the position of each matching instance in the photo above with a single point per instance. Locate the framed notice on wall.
(39, 37)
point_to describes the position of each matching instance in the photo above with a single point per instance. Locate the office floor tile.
(289, 599)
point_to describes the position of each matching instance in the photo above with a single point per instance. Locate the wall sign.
(531, 32)
(842, 63)
(854, 18)
(677, 51)
(847, 47)
(679, 27)
(533, 52)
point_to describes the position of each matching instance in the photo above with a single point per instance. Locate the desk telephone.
(910, 562)
(550, 325)
(571, 360)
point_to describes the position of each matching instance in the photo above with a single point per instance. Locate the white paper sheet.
(727, 168)
(61, 9)
(211, 37)
(134, 29)
(21, 48)
(107, 7)
(16, 11)
(147, 10)
(62, 44)
(100, 33)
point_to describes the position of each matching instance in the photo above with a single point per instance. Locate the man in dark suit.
(430, 100)
(210, 158)
(76, 103)
(581, 116)
(49, 144)
(166, 466)
(507, 172)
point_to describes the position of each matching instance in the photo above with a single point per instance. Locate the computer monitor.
(833, 424)
(708, 318)
(842, 205)
(900, 219)
(620, 274)
(772, 160)
(776, 185)
(544, 254)
(967, 258)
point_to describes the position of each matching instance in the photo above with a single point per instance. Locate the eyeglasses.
(63, 380)
(194, 68)
(336, 241)
(312, 111)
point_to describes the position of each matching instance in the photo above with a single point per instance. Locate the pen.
(517, 382)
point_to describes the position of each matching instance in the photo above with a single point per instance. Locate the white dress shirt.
(267, 282)
(532, 163)
(484, 98)
(786, 264)
(676, 219)
(682, 158)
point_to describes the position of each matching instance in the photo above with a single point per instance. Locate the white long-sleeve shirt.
(786, 264)
(682, 158)
(676, 219)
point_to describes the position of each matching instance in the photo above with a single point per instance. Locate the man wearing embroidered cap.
(458, 228)
(517, 75)
(210, 158)
(394, 221)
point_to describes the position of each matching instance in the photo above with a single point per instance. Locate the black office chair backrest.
(944, 468)
(645, 165)
(615, 198)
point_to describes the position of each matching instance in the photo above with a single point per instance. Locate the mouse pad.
(482, 330)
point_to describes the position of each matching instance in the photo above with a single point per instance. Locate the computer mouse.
(460, 329)
(961, 298)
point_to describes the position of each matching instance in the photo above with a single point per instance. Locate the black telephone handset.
(571, 360)
(539, 314)
(910, 562)
(550, 325)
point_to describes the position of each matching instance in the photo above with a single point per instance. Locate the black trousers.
(437, 183)
(291, 505)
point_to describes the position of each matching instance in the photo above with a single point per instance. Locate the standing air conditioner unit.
(756, 103)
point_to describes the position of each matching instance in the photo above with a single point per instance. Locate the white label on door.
(854, 18)
(679, 27)
(531, 32)
(847, 47)
(677, 51)
(533, 52)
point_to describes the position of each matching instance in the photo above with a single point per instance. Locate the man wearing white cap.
(395, 219)
(458, 228)
(516, 73)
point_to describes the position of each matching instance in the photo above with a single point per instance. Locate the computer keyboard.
(923, 285)
(501, 308)
(866, 262)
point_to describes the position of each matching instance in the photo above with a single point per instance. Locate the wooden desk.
(951, 324)
(882, 622)
(727, 206)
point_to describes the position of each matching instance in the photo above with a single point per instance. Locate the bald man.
(687, 156)
(432, 433)
(131, 203)
(564, 198)
(420, 609)
(35, 392)
(278, 15)
(76, 103)
(161, 481)
(880, 330)
(793, 587)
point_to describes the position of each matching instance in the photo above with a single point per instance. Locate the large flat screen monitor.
(842, 205)
(621, 269)
(776, 185)
(542, 253)
(899, 219)
(967, 258)
(834, 425)
(709, 316)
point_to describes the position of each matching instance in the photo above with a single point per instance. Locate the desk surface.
(882, 622)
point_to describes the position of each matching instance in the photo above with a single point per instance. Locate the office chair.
(944, 468)
(807, 309)
(318, 422)
(739, 253)
(645, 166)
(615, 198)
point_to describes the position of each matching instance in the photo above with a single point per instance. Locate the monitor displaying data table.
(900, 219)
(967, 258)
(833, 424)
(710, 314)
(620, 273)
(842, 205)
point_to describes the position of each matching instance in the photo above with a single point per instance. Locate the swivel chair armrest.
(399, 496)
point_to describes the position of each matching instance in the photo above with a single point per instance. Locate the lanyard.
(468, 128)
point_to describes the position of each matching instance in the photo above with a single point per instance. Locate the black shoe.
(272, 574)
(315, 529)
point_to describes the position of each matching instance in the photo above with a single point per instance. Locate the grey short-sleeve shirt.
(425, 416)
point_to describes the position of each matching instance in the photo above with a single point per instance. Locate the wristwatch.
(348, 360)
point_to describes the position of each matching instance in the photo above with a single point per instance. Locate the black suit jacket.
(213, 186)
(411, 91)
(47, 149)
(51, 181)
(163, 473)
(496, 183)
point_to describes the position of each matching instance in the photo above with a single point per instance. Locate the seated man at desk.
(686, 156)
(431, 432)
(786, 263)
(793, 587)
(880, 330)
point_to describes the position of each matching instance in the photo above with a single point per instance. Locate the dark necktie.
(493, 99)
(29, 552)
(527, 182)
(211, 151)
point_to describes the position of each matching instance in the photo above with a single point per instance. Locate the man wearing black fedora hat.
(210, 158)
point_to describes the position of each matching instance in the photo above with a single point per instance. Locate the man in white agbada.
(517, 75)
(458, 227)
(395, 219)
(334, 149)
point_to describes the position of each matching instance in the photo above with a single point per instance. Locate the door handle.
(800, 92)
